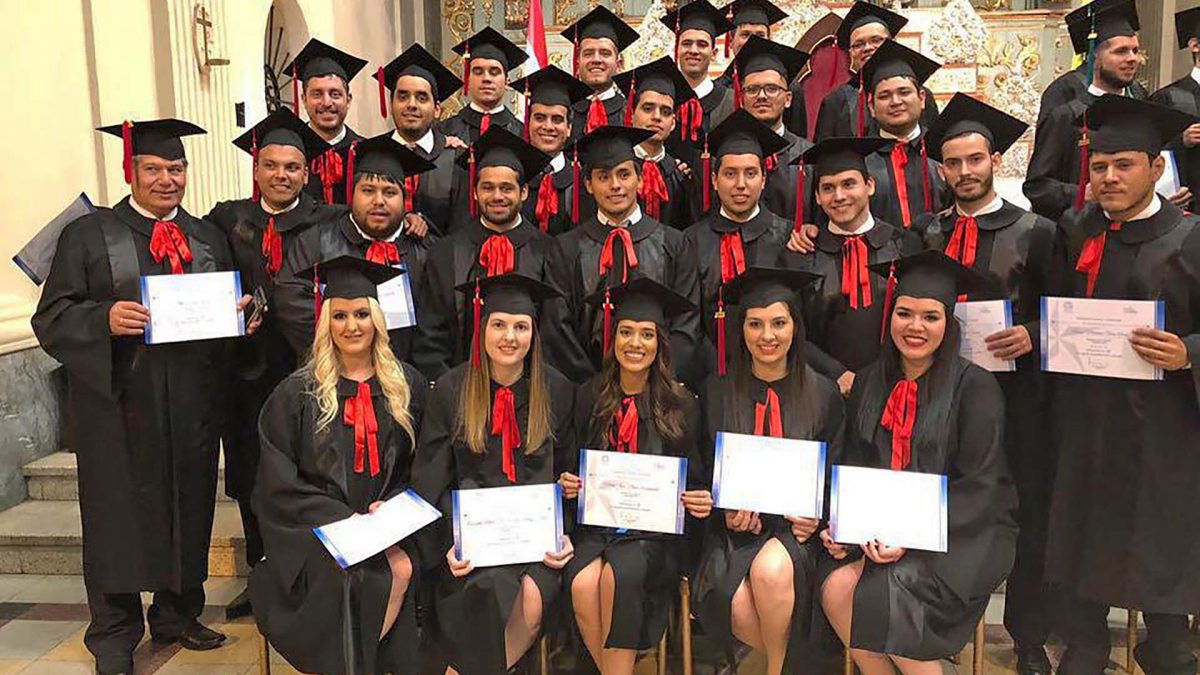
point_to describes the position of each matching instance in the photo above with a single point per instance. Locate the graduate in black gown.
(321, 77)
(417, 85)
(597, 40)
(504, 418)
(1125, 511)
(844, 309)
(1012, 246)
(621, 584)
(656, 92)
(497, 241)
(844, 111)
(1184, 95)
(488, 59)
(754, 18)
(373, 228)
(146, 418)
(338, 439)
(618, 241)
(553, 201)
(924, 408)
(259, 230)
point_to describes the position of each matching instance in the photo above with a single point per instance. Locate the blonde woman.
(502, 418)
(337, 440)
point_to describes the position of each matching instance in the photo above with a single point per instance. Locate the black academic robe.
(471, 612)
(843, 338)
(838, 115)
(886, 204)
(783, 187)
(645, 564)
(1125, 508)
(306, 479)
(716, 106)
(1184, 95)
(444, 333)
(465, 124)
(817, 414)
(295, 308)
(147, 418)
(662, 254)
(926, 605)
(1072, 85)
(443, 193)
(614, 107)
(682, 206)
(336, 171)
(796, 116)
(1052, 178)
(559, 221)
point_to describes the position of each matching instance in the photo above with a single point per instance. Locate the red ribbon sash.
(360, 414)
(504, 425)
(383, 253)
(733, 256)
(653, 192)
(606, 253)
(768, 418)
(626, 423)
(547, 202)
(168, 241)
(496, 256)
(856, 279)
(899, 417)
(272, 248)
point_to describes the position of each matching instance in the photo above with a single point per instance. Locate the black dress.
(472, 612)
(465, 124)
(926, 605)
(334, 161)
(645, 565)
(306, 479)
(725, 563)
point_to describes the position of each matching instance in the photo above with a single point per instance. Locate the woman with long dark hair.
(924, 408)
(621, 584)
(756, 577)
(500, 419)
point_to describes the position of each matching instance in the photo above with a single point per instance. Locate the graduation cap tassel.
(466, 78)
(575, 56)
(706, 175)
(926, 189)
(528, 105)
(1091, 55)
(737, 88)
(127, 151)
(629, 99)
(720, 317)
(575, 187)
(296, 89)
(476, 311)
(350, 169)
(316, 295)
(729, 34)
(607, 320)
(799, 222)
(383, 111)
(471, 181)
(254, 164)
(862, 105)
(887, 302)
(1081, 188)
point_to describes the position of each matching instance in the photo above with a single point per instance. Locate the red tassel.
(476, 310)
(316, 295)
(471, 181)
(729, 34)
(607, 320)
(862, 105)
(737, 88)
(575, 57)
(798, 224)
(127, 151)
(575, 187)
(383, 111)
(528, 105)
(629, 100)
(1084, 142)
(254, 193)
(296, 88)
(467, 71)
(720, 316)
(350, 170)
(706, 171)
(926, 189)
(887, 302)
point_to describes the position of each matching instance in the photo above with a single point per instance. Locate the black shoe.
(195, 637)
(1032, 660)
(114, 666)
(239, 607)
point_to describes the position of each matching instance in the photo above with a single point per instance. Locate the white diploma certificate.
(1085, 336)
(354, 539)
(507, 525)
(632, 492)
(978, 320)
(781, 476)
(896, 508)
(185, 307)
(1169, 183)
(396, 301)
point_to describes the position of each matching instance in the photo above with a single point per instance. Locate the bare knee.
(401, 566)
(771, 570)
(586, 584)
(840, 584)
(531, 604)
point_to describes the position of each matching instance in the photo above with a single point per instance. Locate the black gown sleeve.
(1186, 293)
(558, 321)
(1050, 161)
(433, 342)
(686, 328)
(827, 117)
(434, 468)
(294, 306)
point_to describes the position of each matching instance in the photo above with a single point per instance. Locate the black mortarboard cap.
(698, 15)
(934, 275)
(418, 62)
(1187, 26)
(282, 127)
(642, 299)
(1120, 123)
(741, 134)
(841, 153)
(610, 145)
(318, 59)
(601, 23)
(759, 54)
(498, 147)
(489, 43)
(1112, 18)
(964, 114)
(509, 293)
(384, 156)
(756, 12)
(759, 287)
(350, 277)
(156, 137)
(863, 13)
(552, 86)
(660, 75)
(893, 59)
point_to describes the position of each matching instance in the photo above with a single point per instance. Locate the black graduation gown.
(148, 418)
(1184, 95)
(315, 189)
(682, 206)
(645, 565)
(1125, 508)
(838, 115)
(886, 201)
(796, 117)
(465, 123)
(443, 193)
(295, 303)
(716, 105)
(1052, 179)
(261, 360)
(781, 192)
(926, 605)
(563, 180)
(844, 338)
(306, 479)
(473, 611)
(1070, 86)
(662, 254)
(614, 107)
(443, 335)
(725, 562)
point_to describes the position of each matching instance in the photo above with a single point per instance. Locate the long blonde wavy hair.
(475, 402)
(325, 365)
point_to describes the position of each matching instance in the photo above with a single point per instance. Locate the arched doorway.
(286, 34)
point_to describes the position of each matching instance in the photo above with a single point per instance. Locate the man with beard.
(321, 77)
(373, 229)
(598, 40)
(1012, 247)
(498, 241)
(418, 83)
(549, 95)
(1184, 95)
(488, 58)
(259, 230)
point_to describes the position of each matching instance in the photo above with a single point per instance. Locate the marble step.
(45, 537)
(53, 478)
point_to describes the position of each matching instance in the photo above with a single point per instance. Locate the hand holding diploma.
(803, 528)
(127, 317)
(1010, 344)
(743, 521)
(881, 554)
(570, 484)
(255, 323)
(836, 550)
(1159, 348)
(699, 503)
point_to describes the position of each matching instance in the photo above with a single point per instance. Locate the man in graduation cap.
(597, 40)
(1012, 246)
(845, 309)
(488, 57)
(148, 455)
(498, 241)
(549, 94)
(619, 241)
(656, 92)
(1124, 512)
(259, 230)
(417, 84)
(1184, 95)
(372, 228)
(321, 77)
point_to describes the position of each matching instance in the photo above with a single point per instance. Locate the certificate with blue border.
(507, 525)
(353, 540)
(781, 476)
(188, 307)
(627, 491)
(1090, 336)
(979, 319)
(895, 508)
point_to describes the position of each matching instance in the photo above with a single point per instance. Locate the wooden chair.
(1131, 629)
(976, 656)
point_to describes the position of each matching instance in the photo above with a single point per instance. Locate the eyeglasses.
(860, 45)
(770, 90)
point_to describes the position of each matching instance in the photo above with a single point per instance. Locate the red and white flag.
(535, 39)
